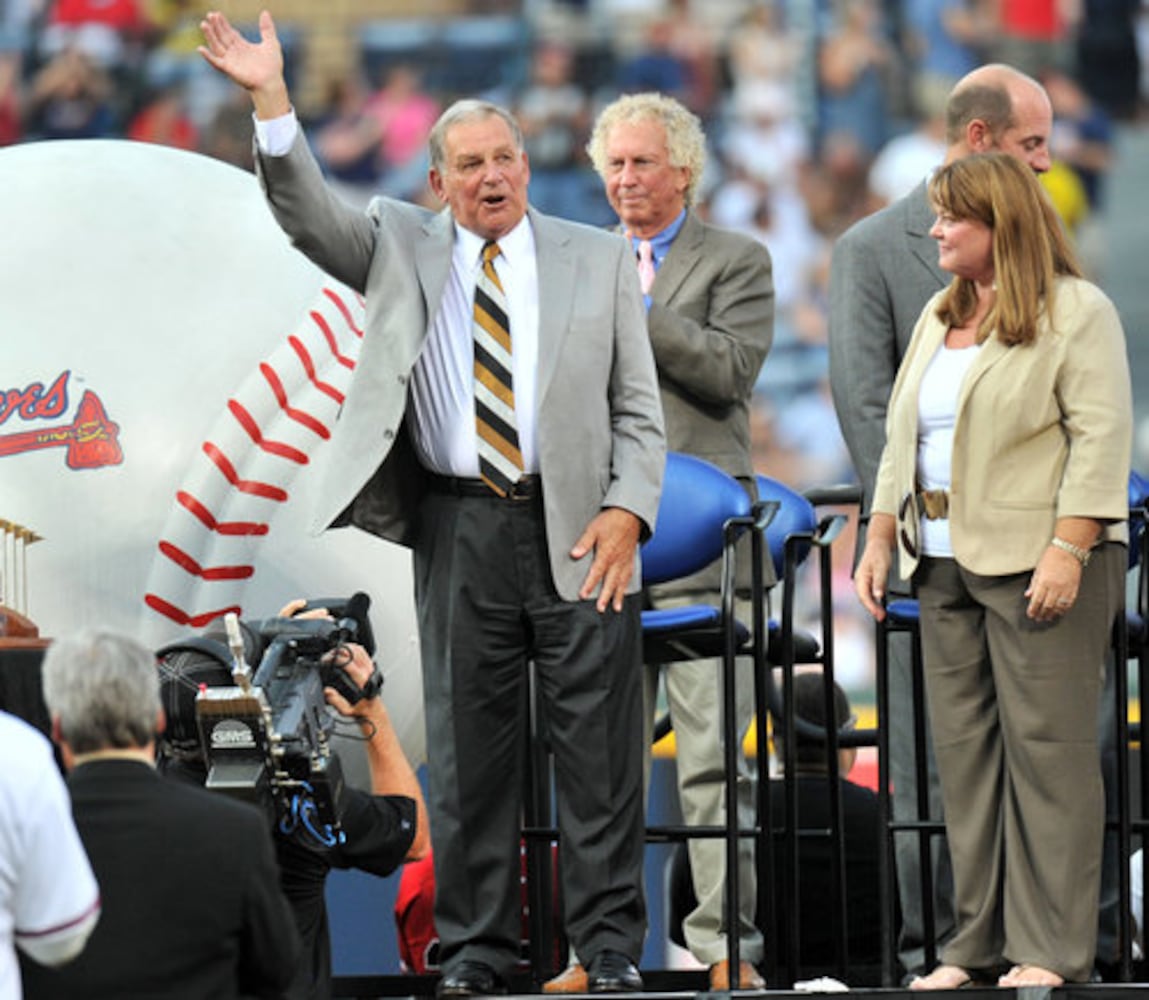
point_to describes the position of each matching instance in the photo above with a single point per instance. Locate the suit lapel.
(684, 254)
(556, 290)
(919, 221)
(433, 255)
(992, 351)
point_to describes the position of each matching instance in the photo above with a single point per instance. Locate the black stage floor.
(373, 987)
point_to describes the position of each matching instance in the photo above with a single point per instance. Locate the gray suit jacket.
(884, 270)
(711, 323)
(600, 431)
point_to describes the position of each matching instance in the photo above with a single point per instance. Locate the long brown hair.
(1030, 247)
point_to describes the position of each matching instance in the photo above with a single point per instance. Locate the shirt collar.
(513, 245)
(660, 242)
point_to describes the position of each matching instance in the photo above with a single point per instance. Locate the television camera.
(248, 707)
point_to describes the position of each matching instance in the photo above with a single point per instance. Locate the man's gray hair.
(467, 110)
(104, 689)
(685, 140)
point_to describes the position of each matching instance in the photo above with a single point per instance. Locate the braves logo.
(90, 441)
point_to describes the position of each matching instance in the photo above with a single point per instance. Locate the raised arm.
(255, 66)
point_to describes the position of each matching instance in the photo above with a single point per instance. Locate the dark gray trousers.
(487, 608)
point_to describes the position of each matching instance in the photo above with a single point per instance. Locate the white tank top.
(937, 411)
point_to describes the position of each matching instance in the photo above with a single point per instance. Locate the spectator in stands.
(172, 60)
(1083, 133)
(1082, 142)
(11, 98)
(164, 120)
(762, 48)
(71, 97)
(103, 30)
(348, 137)
(405, 113)
(944, 40)
(655, 67)
(907, 159)
(228, 135)
(1036, 35)
(855, 60)
(554, 113)
(764, 138)
(692, 42)
(18, 21)
(1108, 63)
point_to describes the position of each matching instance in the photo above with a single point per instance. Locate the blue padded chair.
(791, 530)
(698, 501)
(701, 516)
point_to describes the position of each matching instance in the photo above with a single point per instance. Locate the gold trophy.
(14, 542)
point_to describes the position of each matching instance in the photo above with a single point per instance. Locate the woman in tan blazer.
(1003, 486)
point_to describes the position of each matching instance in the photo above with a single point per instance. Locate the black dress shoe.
(470, 979)
(612, 972)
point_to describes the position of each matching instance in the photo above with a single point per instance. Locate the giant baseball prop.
(171, 371)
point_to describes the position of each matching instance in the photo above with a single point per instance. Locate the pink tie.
(645, 266)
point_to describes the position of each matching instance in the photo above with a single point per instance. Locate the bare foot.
(1030, 975)
(944, 977)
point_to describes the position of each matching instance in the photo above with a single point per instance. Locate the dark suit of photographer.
(381, 828)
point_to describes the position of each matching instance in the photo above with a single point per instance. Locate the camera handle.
(341, 681)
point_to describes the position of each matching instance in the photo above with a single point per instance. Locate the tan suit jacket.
(1042, 431)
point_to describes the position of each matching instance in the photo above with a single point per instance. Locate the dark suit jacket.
(192, 906)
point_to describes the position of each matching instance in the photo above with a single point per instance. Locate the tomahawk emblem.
(90, 441)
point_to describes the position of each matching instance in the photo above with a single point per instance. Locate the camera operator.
(379, 830)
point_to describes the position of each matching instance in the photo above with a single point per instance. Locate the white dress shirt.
(442, 382)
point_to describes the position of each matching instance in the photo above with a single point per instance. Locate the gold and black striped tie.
(500, 461)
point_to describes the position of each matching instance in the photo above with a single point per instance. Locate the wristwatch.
(1078, 553)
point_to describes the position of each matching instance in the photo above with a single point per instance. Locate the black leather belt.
(527, 488)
